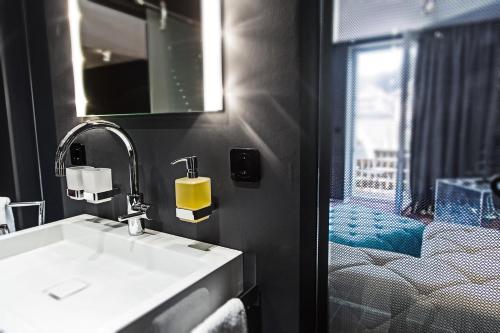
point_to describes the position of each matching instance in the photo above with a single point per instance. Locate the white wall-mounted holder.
(93, 185)
(74, 182)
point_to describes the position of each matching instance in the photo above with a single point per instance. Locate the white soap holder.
(74, 180)
(98, 185)
(94, 185)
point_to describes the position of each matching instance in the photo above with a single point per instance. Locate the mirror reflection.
(138, 57)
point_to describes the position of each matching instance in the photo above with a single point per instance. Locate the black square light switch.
(245, 165)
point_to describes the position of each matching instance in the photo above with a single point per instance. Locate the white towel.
(6, 216)
(229, 318)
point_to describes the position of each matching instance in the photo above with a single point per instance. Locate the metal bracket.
(98, 197)
(252, 303)
(193, 215)
(75, 194)
(92, 197)
(40, 204)
(162, 8)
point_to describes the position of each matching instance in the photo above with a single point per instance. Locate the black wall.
(7, 182)
(263, 108)
(20, 148)
(26, 114)
(42, 105)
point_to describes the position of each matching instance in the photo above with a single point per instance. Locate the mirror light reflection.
(146, 58)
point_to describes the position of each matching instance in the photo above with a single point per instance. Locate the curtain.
(456, 107)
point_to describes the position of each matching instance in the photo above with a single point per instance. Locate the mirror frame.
(213, 88)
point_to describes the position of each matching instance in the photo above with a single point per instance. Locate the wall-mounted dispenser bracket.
(99, 197)
(193, 215)
(92, 197)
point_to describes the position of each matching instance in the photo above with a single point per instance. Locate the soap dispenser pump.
(193, 194)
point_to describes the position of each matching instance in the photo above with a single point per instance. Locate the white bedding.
(453, 287)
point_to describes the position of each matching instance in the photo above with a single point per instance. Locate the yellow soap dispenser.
(193, 194)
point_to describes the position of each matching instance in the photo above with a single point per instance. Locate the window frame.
(405, 43)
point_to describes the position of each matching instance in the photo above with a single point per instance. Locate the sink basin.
(86, 274)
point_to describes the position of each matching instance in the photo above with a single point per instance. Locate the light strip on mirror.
(212, 54)
(74, 16)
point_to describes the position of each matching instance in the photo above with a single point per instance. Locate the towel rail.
(251, 301)
(40, 204)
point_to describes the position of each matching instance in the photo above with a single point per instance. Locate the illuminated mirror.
(135, 57)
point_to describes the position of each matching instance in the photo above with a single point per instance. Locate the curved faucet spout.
(62, 149)
(136, 208)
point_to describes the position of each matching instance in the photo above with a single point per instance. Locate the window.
(377, 146)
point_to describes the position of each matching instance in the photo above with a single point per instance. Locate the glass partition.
(414, 225)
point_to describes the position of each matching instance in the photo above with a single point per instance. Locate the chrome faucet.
(136, 208)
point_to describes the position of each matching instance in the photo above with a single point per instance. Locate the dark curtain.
(456, 107)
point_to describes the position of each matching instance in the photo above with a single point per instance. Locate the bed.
(453, 287)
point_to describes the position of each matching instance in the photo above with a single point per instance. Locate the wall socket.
(245, 165)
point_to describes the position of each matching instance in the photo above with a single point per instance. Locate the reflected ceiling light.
(212, 54)
(106, 54)
(429, 6)
(77, 57)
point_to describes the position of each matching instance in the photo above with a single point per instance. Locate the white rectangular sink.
(86, 274)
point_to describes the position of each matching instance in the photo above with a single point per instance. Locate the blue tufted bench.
(360, 226)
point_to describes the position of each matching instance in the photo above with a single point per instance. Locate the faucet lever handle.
(141, 207)
(140, 210)
(127, 217)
